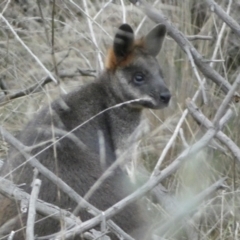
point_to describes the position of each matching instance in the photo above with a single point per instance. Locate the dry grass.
(74, 48)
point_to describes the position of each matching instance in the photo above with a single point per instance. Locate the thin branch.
(223, 138)
(102, 9)
(224, 105)
(220, 36)
(123, 11)
(11, 236)
(87, 72)
(169, 144)
(214, 60)
(53, 38)
(43, 20)
(226, 118)
(224, 16)
(200, 81)
(90, 26)
(199, 37)
(185, 144)
(144, 19)
(32, 209)
(5, 7)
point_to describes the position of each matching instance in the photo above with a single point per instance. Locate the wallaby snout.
(165, 96)
(159, 93)
(158, 100)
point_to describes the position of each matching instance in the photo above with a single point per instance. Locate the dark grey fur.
(79, 165)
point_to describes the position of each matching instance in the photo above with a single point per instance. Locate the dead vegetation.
(47, 49)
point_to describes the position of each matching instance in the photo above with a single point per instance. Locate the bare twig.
(123, 11)
(181, 132)
(5, 7)
(87, 72)
(220, 37)
(201, 83)
(224, 16)
(53, 39)
(93, 36)
(224, 105)
(101, 9)
(144, 19)
(11, 235)
(214, 61)
(223, 138)
(7, 227)
(32, 209)
(226, 118)
(169, 144)
(198, 37)
(43, 20)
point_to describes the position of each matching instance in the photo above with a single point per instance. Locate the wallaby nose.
(165, 97)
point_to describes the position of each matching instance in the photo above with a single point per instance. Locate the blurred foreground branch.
(190, 206)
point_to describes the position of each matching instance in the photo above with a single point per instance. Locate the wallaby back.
(132, 74)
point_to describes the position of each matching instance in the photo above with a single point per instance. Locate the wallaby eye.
(139, 78)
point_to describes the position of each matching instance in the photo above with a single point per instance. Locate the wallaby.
(132, 74)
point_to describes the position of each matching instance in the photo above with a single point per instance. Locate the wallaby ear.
(123, 41)
(154, 39)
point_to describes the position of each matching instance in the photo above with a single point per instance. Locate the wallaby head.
(136, 73)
